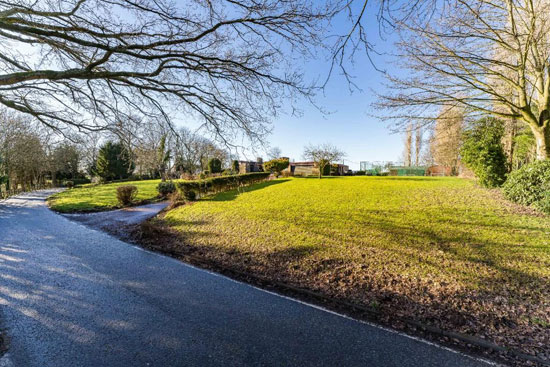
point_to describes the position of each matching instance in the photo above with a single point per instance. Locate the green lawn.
(99, 197)
(440, 250)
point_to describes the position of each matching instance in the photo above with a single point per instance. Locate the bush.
(276, 165)
(218, 184)
(69, 184)
(165, 188)
(215, 165)
(530, 185)
(360, 173)
(176, 199)
(189, 195)
(81, 181)
(126, 194)
(482, 152)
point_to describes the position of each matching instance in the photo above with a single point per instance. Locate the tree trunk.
(542, 138)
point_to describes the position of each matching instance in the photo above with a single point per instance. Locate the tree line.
(32, 155)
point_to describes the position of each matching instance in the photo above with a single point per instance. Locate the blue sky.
(349, 126)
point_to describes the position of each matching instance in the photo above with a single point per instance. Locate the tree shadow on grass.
(232, 194)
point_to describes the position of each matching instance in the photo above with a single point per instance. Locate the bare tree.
(274, 153)
(446, 142)
(479, 54)
(418, 144)
(323, 155)
(86, 63)
(407, 150)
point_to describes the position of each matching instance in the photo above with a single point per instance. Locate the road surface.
(74, 296)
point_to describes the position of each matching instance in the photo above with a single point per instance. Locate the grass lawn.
(440, 250)
(99, 197)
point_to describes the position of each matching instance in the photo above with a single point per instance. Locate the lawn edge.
(467, 344)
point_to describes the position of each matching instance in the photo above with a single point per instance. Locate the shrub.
(190, 195)
(219, 184)
(126, 194)
(176, 199)
(482, 152)
(215, 165)
(69, 184)
(276, 165)
(227, 172)
(81, 181)
(360, 173)
(165, 188)
(530, 185)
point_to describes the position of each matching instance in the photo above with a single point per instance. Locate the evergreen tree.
(113, 162)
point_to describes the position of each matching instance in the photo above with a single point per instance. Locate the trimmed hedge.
(165, 188)
(219, 184)
(530, 185)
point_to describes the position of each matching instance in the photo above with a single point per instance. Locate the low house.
(251, 166)
(312, 169)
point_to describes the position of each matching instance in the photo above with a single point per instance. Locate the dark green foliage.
(65, 159)
(126, 194)
(482, 152)
(235, 166)
(113, 162)
(530, 185)
(276, 165)
(326, 168)
(360, 173)
(189, 194)
(69, 184)
(166, 188)
(215, 165)
(220, 183)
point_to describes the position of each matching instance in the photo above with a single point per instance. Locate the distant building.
(312, 169)
(251, 166)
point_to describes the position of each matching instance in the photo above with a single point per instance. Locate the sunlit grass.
(438, 249)
(99, 197)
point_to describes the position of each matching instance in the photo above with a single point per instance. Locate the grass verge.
(437, 250)
(90, 198)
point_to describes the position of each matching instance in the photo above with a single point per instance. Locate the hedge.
(220, 183)
(530, 185)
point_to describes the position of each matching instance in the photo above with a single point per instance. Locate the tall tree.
(163, 157)
(407, 149)
(113, 162)
(479, 54)
(445, 145)
(418, 144)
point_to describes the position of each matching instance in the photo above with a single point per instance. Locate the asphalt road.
(74, 296)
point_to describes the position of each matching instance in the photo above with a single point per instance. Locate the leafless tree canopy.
(84, 63)
(488, 56)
